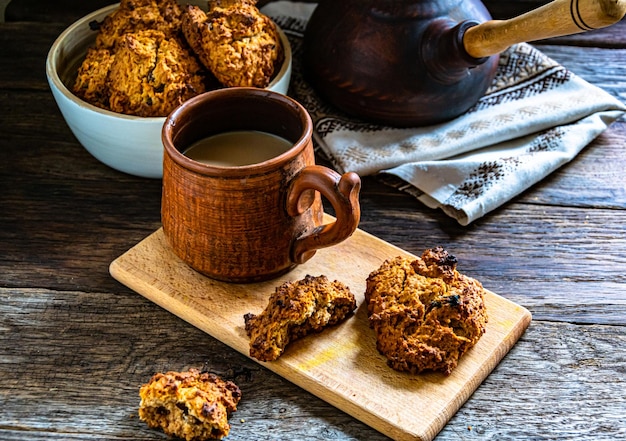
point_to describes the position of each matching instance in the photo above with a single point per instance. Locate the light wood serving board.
(341, 365)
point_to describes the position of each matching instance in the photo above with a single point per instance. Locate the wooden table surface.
(75, 345)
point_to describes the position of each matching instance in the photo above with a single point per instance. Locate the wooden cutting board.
(341, 365)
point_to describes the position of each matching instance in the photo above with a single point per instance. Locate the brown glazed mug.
(251, 222)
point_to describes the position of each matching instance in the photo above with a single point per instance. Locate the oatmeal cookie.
(294, 310)
(152, 74)
(235, 41)
(139, 15)
(141, 64)
(426, 314)
(91, 81)
(190, 405)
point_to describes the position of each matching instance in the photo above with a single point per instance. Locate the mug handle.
(343, 193)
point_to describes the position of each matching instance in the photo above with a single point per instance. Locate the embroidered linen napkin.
(535, 117)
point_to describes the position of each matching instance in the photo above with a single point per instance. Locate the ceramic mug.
(252, 222)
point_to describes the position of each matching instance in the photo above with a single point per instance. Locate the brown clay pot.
(370, 58)
(419, 62)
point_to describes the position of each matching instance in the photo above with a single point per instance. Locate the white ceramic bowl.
(130, 144)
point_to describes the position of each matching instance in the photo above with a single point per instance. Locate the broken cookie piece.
(294, 310)
(191, 405)
(426, 314)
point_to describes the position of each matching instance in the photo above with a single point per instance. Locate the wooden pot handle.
(560, 17)
(343, 194)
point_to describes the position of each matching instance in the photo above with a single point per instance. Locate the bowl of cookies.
(116, 73)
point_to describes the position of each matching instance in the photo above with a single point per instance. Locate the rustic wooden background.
(75, 345)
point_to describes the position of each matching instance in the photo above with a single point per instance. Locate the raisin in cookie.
(139, 15)
(426, 314)
(151, 75)
(235, 41)
(294, 310)
(191, 405)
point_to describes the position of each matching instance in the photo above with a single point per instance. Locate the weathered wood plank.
(65, 256)
(594, 178)
(530, 254)
(605, 68)
(73, 346)
(543, 385)
(50, 186)
(74, 351)
(62, 347)
(29, 72)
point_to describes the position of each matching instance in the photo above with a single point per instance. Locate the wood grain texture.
(572, 367)
(341, 365)
(75, 345)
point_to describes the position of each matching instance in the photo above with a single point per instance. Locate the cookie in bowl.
(235, 42)
(156, 71)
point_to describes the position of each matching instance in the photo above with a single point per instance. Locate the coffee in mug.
(249, 213)
(236, 148)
